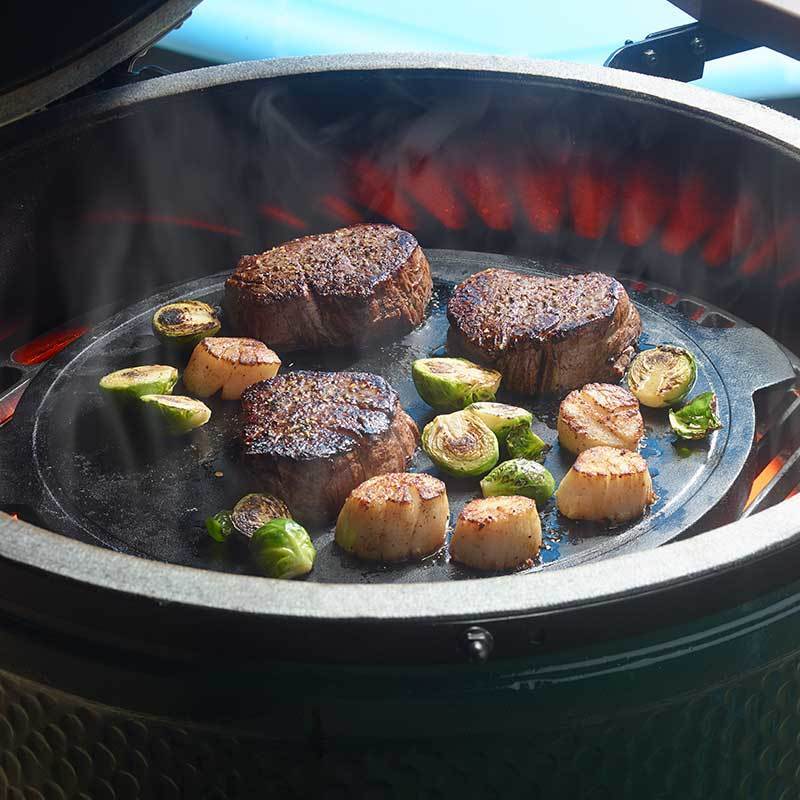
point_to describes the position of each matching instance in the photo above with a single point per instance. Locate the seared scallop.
(497, 533)
(394, 517)
(606, 483)
(599, 414)
(229, 363)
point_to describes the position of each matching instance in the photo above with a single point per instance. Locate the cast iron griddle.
(96, 473)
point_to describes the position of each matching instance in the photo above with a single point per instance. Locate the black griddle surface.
(105, 474)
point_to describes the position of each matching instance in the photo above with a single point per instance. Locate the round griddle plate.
(106, 475)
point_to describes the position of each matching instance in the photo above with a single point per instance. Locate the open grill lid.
(75, 44)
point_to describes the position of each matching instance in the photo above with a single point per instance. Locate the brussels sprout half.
(500, 418)
(219, 526)
(520, 476)
(450, 384)
(181, 414)
(283, 549)
(522, 442)
(133, 382)
(697, 418)
(662, 376)
(186, 322)
(460, 444)
(254, 511)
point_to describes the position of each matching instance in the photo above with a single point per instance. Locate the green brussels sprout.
(460, 444)
(133, 382)
(522, 442)
(662, 376)
(450, 384)
(520, 476)
(254, 511)
(181, 414)
(500, 418)
(283, 549)
(186, 322)
(220, 526)
(697, 418)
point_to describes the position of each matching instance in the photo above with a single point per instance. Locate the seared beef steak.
(333, 289)
(312, 437)
(545, 334)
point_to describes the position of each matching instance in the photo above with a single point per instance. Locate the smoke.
(182, 187)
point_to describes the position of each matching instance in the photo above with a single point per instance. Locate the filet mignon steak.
(333, 289)
(545, 335)
(312, 437)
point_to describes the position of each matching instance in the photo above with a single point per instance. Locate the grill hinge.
(678, 53)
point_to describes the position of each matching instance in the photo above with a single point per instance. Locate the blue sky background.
(584, 31)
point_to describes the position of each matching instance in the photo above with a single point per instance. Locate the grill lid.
(78, 43)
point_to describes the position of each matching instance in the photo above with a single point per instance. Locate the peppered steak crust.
(312, 437)
(332, 289)
(304, 415)
(545, 334)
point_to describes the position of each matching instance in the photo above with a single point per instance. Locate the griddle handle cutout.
(747, 357)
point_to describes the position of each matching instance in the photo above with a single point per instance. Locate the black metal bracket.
(678, 53)
(128, 71)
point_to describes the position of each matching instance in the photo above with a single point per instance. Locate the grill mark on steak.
(331, 289)
(545, 334)
(312, 437)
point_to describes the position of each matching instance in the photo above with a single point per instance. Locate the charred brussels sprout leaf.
(180, 414)
(254, 511)
(219, 526)
(283, 549)
(133, 382)
(460, 444)
(662, 376)
(500, 418)
(450, 384)
(697, 418)
(186, 322)
(521, 477)
(522, 442)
